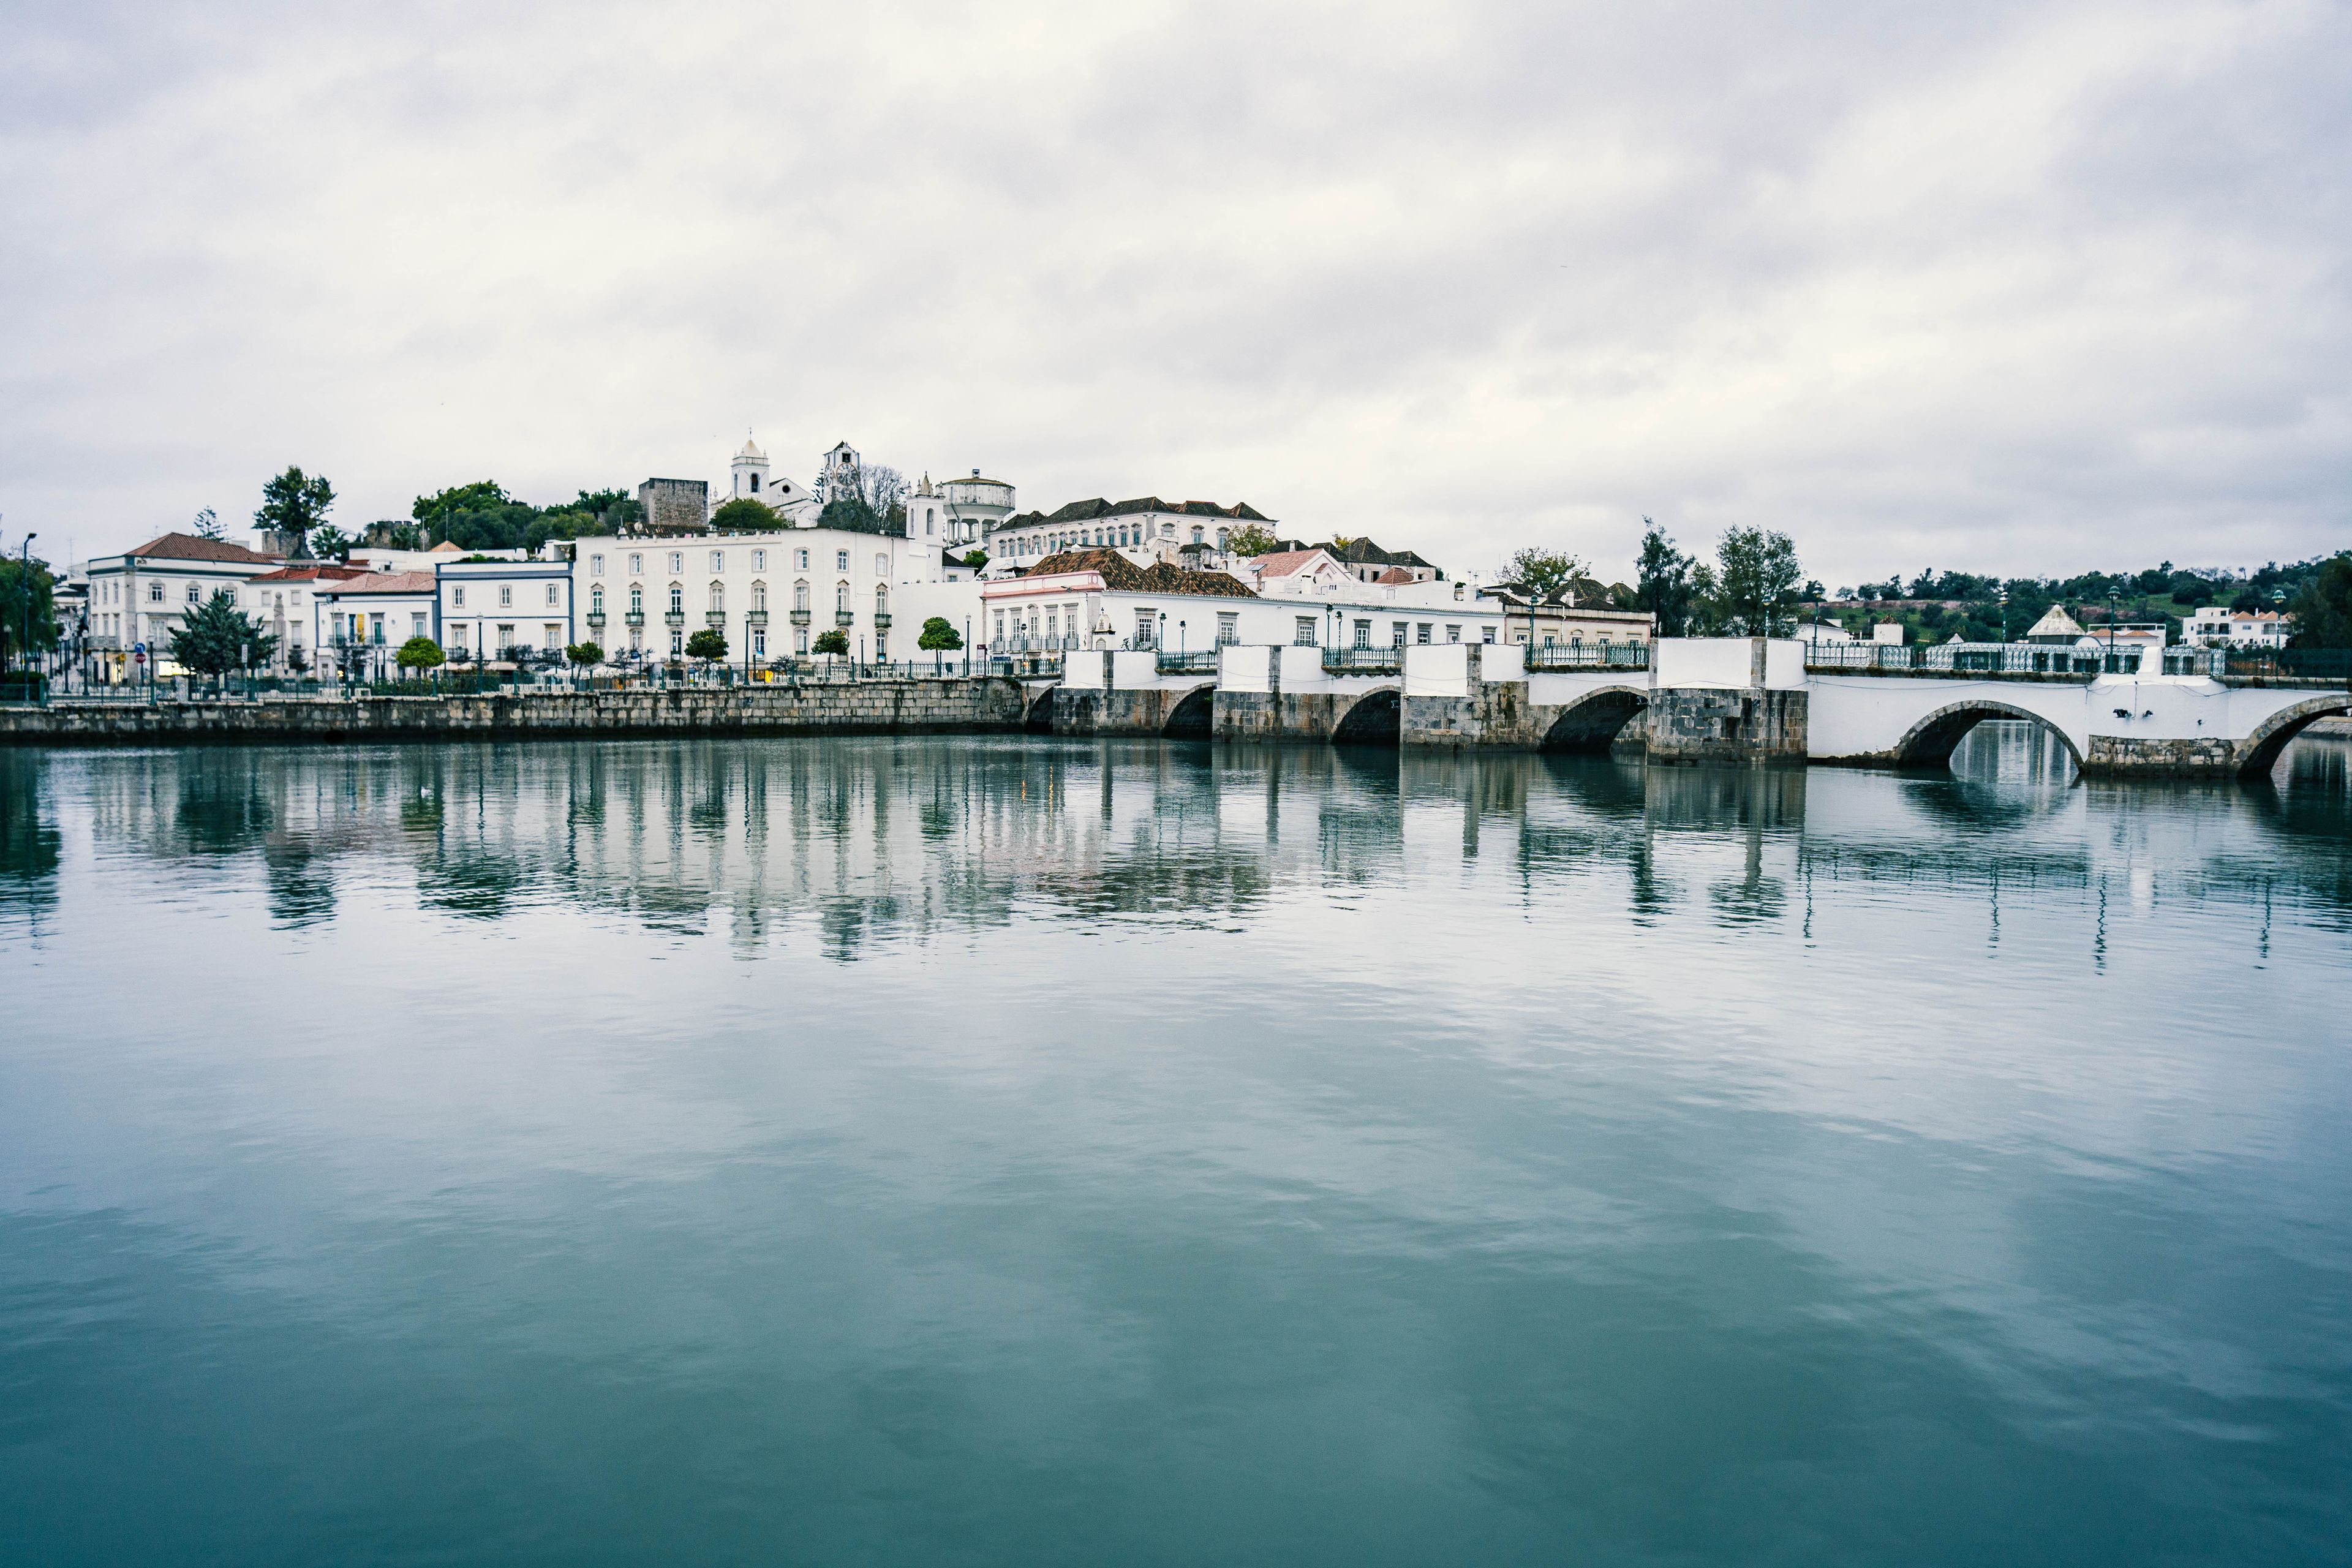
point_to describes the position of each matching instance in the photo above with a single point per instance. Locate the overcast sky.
(2024, 288)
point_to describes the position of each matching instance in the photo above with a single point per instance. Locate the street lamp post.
(25, 580)
(2113, 599)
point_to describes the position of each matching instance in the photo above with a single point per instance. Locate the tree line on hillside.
(1752, 586)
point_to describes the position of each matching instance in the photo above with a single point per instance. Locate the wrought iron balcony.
(597, 619)
(716, 620)
(881, 620)
(676, 618)
(755, 618)
(845, 618)
(800, 618)
(634, 617)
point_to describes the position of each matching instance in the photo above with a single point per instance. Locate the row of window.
(718, 598)
(506, 595)
(719, 562)
(1110, 537)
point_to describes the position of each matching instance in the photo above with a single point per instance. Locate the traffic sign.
(139, 648)
(139, 653)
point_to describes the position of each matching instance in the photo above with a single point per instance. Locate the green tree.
(939, 636)
(217, 636)
(419, 653)
(207, 524)
(1539, 571)
(585, 654)
(1249, 538)
(744, 515)
(19, 613)
(834, 641)
(2323, 610)
(1757, 578)
(1662, 581)
(482, 495)
(709, 644)
(331, 543)
(295, 502)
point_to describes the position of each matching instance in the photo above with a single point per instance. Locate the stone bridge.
(1702, 699)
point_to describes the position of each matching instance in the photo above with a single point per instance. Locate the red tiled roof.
(1394, 575)
(1120, 574)
(312, 572)
(1283, 562)
(188, 547)
(388, 583)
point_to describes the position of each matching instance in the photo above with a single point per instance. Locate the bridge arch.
(1375, 719)
(1929, 743)
(2259, 752)
(1039, 720)
(1189, 719)
(1593, 721)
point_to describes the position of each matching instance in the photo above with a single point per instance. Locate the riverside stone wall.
(872, 707)
(1726, 724)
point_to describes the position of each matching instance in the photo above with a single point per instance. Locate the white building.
(283, 600)
(2214, 626)
(770, 595)
(1102, 599)
(749, 479)
(142, 596)
(369, 614)
(958, 514)
(1146, 529)
(489, 610)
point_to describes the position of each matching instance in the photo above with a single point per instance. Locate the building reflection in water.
(861, 842)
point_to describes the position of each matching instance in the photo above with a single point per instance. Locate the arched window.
(718, 598)
(755, 484)
(881, 566)
(636, 598)
(759, 598)
(881, 600)
(800, 597)
(677, 598)
(596, 598)
(841, 597)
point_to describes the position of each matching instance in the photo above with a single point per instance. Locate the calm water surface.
(1000, 1152)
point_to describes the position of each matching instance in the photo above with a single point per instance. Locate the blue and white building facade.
(488, 610)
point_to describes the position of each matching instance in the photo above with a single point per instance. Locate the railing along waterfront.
(1368, 660)
(2327, 667)
(1557, 657)
(1198, 661)
(1969, 658)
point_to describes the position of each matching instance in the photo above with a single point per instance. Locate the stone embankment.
(870, 706)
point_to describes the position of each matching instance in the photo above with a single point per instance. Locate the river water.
(1015, 1151)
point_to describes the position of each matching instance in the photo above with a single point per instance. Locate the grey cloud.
(2023, 287)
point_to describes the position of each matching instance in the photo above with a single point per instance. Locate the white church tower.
(751, 471)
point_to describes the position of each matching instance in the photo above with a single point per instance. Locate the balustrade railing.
(1198, 661)
(1379, 661)
(1555, 657)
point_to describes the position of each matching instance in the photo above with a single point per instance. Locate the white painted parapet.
(1134, 669)
(1245, 666)
(1771, 664)
(1437, 669)
(1502, 661)
(1302, 668)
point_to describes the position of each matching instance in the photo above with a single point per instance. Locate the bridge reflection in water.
(866, 841)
